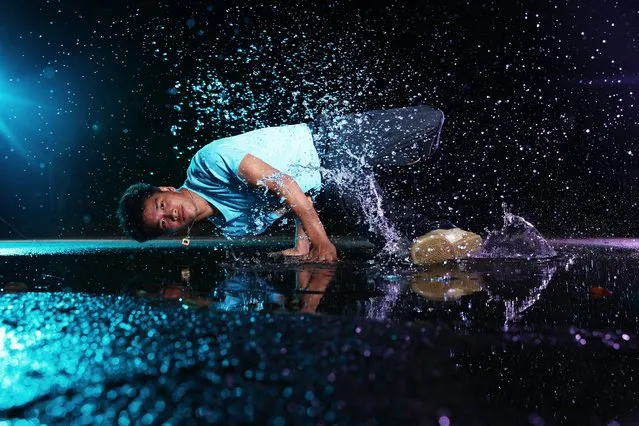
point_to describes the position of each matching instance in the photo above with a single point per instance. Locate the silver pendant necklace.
(186, 241)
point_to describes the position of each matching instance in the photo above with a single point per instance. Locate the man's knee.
(433, 117)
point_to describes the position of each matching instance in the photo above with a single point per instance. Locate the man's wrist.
(321, 240)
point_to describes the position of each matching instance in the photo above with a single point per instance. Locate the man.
(244, 183)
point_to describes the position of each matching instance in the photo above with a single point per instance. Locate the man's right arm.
(258, 173)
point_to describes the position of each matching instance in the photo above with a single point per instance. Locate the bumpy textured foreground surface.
(88, 359)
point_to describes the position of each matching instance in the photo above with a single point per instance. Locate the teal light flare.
(15, 111)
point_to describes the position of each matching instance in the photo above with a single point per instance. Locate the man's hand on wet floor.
(323, 251)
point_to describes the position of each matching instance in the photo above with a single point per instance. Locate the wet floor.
(224, 333)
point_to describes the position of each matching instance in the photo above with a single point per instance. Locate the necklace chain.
(197, 212)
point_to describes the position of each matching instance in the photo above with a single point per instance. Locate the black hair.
(130, 211)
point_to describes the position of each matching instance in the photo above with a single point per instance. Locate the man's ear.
(167, 188)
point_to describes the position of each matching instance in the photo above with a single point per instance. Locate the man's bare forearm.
(302, 206)
(257, 173)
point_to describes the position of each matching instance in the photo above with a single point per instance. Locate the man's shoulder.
(218, 147)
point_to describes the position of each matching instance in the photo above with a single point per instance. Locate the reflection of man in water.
(248, 291)
(244, 183)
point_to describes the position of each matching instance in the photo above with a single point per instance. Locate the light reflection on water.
(481, 291)
(484, 294)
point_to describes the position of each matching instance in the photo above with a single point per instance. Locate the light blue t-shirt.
(246, 210)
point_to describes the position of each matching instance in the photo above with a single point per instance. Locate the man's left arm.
(259, 173)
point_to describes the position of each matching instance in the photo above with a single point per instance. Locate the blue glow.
(11, 107)
(37, 112)
(48, 247)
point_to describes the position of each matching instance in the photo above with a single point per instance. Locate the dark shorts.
(350, 148)
(401, 136)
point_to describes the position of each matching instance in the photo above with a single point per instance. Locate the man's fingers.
(319, 257)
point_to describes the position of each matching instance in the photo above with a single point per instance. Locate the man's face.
(168, 210)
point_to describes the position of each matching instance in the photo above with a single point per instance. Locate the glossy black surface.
(233, 335)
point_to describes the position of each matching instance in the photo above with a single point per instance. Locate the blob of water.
(517, 239)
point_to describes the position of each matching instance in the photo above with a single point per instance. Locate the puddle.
(492, 332)
(486, 294)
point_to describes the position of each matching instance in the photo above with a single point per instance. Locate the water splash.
(518, 238)
(362, 191)
(380, 308)
(515, 308)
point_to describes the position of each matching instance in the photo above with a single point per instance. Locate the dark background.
(541, 100)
